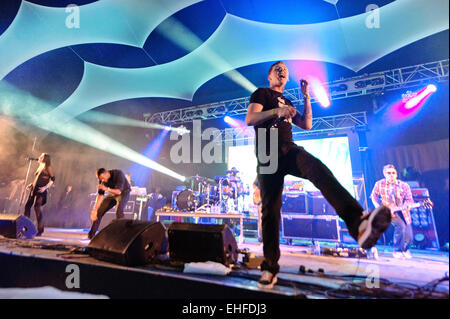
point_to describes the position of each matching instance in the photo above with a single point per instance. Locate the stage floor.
(423, 268)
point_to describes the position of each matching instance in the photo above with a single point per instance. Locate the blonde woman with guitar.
(43, 179)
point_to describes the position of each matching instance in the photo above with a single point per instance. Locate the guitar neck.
(404, 207)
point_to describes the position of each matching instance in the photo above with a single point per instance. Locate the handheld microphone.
(31, 159)
(278, 121)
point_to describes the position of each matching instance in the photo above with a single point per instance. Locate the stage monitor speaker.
(129, 242)
(200, 243)
(16, 226)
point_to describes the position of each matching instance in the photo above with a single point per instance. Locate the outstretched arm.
(304, 121)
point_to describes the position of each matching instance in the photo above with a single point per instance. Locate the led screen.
(333, 152)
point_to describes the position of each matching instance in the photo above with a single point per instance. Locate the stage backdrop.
(333, 152)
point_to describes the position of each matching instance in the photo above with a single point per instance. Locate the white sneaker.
(267, 280)
(397, 255)
(372, 226)
(407, 254)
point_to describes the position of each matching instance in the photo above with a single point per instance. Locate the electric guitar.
(405, 209)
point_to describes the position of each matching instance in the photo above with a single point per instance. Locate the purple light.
(320, 92)
(421, 95)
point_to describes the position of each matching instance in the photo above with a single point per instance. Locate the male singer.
(270, 110)
(116, 185)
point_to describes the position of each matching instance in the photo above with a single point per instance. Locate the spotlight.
(421, 95)
(182, 130)
(320, 93)
(227, 119)
(431, 88)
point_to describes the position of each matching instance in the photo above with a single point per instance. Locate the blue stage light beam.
(29, 109)
(141, 173)
(111, 119)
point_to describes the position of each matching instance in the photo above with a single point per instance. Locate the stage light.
(182, 130)
(431, 88)
(142, 173)
(320, 93)
(29, 109)
(111, 119)
(421, 95)
(235, 123)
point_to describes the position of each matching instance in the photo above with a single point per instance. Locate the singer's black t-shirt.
(269, 99)
(116, 181)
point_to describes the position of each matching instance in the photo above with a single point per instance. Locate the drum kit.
(223, 194)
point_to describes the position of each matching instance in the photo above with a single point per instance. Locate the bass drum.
(186, 200)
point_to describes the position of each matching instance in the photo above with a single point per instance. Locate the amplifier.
(325, 227)
(420, 192)
(424, 228)
(318, 205)
(294, 202)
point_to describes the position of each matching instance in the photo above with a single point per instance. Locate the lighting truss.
(367, 84)
(328, 125)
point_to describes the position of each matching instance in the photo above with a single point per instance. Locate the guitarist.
(395, 194)
(43, 179)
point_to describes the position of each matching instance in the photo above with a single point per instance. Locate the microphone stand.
(22, 197)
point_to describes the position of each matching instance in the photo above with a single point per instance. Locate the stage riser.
(115, 282)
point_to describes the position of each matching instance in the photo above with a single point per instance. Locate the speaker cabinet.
(424, 229)
(294, 202)
(325, 227)
(16, 226)
(129, 242)
(200, 243)
(318, 205)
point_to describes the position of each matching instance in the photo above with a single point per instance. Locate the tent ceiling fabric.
(235, 43)
(37, 29)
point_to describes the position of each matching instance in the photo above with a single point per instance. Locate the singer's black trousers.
(300, 163)
(38, 200)
(109, 202)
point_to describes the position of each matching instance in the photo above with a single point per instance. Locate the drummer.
(236, 182)
(233, 175)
